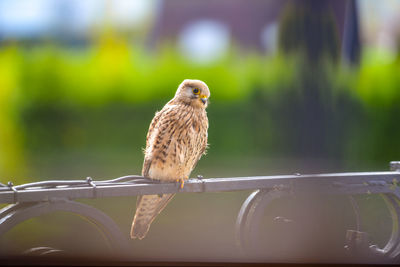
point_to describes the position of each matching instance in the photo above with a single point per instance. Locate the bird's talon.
(181, 181)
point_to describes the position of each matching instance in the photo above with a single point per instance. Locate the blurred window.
(269, 37)
(128, 13)
(204, 41)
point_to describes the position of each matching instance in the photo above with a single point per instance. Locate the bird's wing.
(159, 127)
(146, 167)
(204, 144)
(153, 127)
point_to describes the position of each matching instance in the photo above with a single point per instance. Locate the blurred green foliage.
(67, 113)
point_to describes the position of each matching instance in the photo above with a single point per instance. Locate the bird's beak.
(204, 100)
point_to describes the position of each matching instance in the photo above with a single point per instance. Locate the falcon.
(176, 140)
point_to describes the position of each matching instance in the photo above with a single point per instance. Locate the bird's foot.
(181, 181)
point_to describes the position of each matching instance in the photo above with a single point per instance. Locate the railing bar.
(125, 178)
(54, 183)
(357, 183)
(136, 177)
(50, 183)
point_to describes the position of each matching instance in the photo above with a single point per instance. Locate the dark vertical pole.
(351, 46)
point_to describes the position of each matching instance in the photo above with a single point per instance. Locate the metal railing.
(34, 199)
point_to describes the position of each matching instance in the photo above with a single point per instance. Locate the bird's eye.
(196, 91)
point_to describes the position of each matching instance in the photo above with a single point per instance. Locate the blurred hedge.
(72, 112)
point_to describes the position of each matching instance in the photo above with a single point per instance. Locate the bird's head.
(194, 93)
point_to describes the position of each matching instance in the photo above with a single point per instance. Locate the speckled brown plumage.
(176, 140)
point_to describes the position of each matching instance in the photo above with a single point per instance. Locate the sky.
(30, 18)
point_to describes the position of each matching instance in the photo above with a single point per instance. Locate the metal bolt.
(89, 180)
(282, 219)
(395, 165)
(357, 242)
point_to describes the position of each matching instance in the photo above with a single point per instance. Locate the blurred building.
(245, 21)
(202, 29)
(250, 24)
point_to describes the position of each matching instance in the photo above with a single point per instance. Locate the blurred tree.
(311, 122)
(309, 27)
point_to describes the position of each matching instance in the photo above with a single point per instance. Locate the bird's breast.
(181, 145)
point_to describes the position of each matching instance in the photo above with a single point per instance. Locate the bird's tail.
(147, 208)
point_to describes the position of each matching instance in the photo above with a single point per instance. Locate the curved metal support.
(43, 251)
(250, 216)
(392, 248)
(14, 214)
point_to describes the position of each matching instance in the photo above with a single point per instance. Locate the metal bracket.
(395, 166)
(11, 186)
(89, 180)
(357, 242)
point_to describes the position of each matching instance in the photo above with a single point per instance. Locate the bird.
(175, 142)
